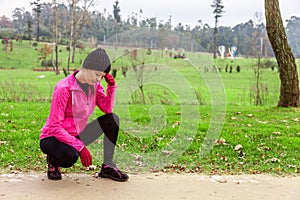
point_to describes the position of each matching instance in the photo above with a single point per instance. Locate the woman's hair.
(92, 88)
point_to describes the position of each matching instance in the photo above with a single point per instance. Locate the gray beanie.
(97, 60)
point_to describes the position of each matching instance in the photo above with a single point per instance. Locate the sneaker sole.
(112, 177)
(54, 179)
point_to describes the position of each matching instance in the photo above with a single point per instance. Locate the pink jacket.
(71, 108)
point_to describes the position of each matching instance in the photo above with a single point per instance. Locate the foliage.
(44, 53)
(117, 12)
(101, 26)
(293, 32)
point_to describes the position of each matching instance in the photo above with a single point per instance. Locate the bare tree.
(257, 92)
(78, 19)
(289, 89)
(81, 19)
(72, 4)
(55, 35)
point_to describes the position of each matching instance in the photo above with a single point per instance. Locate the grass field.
(168, 132)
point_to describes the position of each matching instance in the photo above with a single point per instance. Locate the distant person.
(67, 132)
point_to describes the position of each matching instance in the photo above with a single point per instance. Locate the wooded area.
(97, 26)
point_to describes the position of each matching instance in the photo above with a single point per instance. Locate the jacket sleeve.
(105, 102)
(57, 117)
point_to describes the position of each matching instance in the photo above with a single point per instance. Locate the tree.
(72, 4)
(5, 22)
(289, 89)
(79, 18)
(117, 19)
(29, 28)
(37, 9)
(293, 32)
(18, 19)
(218, 10)
(55, 36)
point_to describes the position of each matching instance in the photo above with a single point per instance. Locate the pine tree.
(218, 10)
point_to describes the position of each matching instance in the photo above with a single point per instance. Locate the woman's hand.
(109, 79)
(85, 157)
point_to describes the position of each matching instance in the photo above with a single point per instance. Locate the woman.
(67, 132)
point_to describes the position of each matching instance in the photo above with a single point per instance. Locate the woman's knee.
(112, 117)
(110, 126)
(110, 120)
(68, 159)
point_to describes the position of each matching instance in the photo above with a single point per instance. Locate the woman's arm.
(105, 102)
(57, 118)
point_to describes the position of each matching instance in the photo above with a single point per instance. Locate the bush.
(46, 63)
(270, 64)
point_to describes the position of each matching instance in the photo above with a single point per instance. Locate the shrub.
(46, 63)
(270, 64)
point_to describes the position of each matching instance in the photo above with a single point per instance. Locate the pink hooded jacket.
(71, 108)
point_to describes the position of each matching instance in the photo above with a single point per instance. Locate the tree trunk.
(289, 89)
(74, 48)
(38, 29)
(55, 28)
(215, 41)
(71, 34)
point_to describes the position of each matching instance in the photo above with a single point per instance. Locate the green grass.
(26, 56)
(270, 138)
(168, 133)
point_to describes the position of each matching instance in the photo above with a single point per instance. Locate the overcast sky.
(184, 11)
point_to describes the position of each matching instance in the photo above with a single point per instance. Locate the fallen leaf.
(273, 160)
(222, 141)
(276, 133)
(238, 147)
(91, 167)
(267, 148)
(3, 142)
(177, 123)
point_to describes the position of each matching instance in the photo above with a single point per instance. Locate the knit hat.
(97, 60)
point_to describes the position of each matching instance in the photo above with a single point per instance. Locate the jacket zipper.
(87, 98)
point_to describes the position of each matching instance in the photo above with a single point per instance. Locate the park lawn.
(166, 136)
(269, 139)
(25, 55)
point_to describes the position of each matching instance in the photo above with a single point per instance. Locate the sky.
(186, 12)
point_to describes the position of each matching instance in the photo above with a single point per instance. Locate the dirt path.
(36, 186)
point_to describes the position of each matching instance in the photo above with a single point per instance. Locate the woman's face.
(93, 76)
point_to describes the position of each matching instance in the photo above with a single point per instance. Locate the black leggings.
(63, 155)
